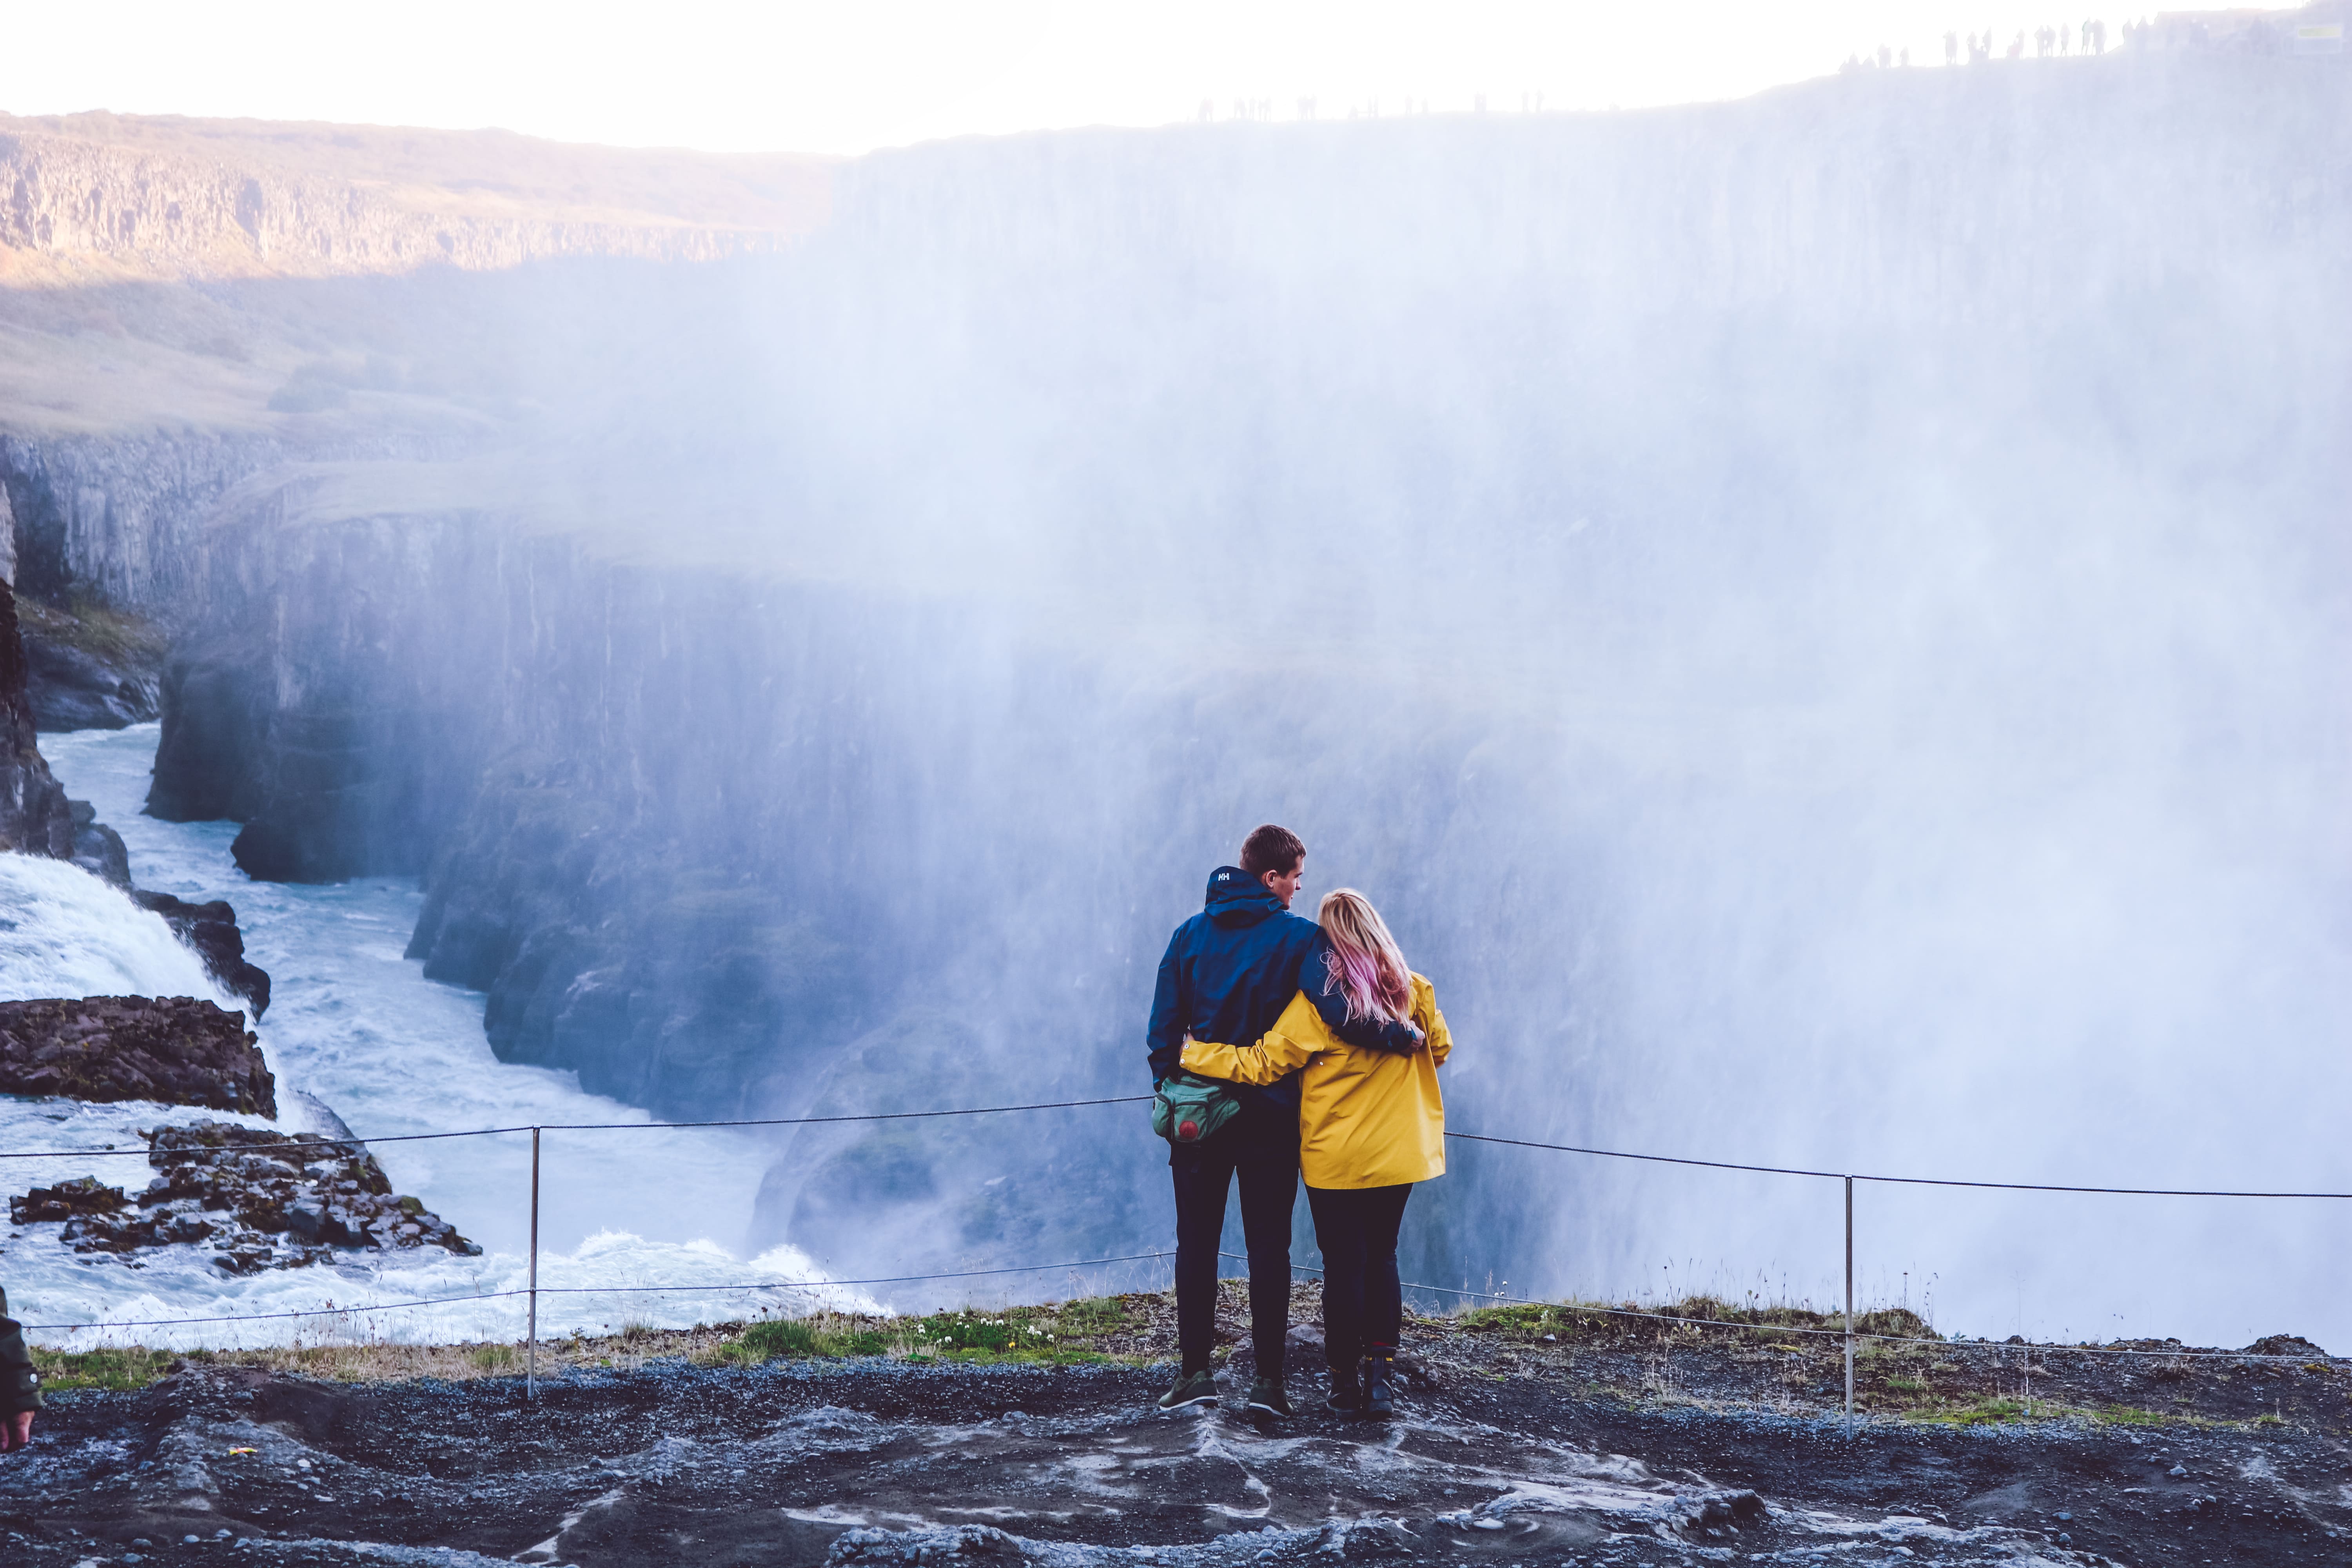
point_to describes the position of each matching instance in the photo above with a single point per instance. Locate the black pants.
(1261, 1147)
(1363, 1304)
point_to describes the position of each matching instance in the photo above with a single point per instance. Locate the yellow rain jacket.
(1366, 1119)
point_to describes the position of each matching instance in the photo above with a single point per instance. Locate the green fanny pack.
(1187, 1109)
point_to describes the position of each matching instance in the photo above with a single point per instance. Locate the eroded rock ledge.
(258, 1203)
(176, 1050)
(210, 930)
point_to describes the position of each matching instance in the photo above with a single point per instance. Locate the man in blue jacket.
(1229, 972)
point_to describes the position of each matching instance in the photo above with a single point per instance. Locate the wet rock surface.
(876, 1461)
(34, 817)
(98, 848)
(94, 669)
(211, 931)
(176, 1050)
(242, 1193)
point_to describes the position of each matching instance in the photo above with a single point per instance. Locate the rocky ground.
(174, 1050)
(1528, 1434)
(241, 1192)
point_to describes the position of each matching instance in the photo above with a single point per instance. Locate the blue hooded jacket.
(1232, 968)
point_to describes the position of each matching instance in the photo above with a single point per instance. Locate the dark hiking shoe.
(1192, 1388)
(1266, 1398)
(1347, 1394)
(1380, 1397)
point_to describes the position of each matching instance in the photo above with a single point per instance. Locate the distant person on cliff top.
(1371, 1125)
(20, 1385)
(1229, 972)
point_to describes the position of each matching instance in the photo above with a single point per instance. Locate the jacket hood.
(1237, 900)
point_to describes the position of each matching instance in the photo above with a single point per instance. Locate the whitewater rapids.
(354, 1030)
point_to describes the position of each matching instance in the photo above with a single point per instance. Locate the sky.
(848, 78)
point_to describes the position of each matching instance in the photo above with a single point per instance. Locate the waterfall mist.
(1821, 622)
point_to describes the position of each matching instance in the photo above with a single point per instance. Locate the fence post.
(1849, 1298)
(531, 1354)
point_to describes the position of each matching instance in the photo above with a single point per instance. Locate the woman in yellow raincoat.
(1370, 1125)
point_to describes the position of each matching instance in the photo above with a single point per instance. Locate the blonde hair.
(1364, 963)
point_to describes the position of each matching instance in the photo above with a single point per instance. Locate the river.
(357, 1027)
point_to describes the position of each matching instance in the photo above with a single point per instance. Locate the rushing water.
(357, 1029)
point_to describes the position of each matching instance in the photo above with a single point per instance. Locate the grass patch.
(1779, 1325)
(107, 634)
(1011, 1334)
(1997, 1411)
(132, 1367)
(825, 1335)
(1982, 1412)
(787, 1337)
(335, 1347)
(1093, 1315)
(1066, 1333)
(2127, 1415)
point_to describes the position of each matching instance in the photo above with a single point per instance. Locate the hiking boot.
(1266, 1398)
(1347, 1394)
(1192, 1388)
(1380, 1399)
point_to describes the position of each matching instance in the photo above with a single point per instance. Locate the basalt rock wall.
(734, 845)
(180, 199)
(117, 518)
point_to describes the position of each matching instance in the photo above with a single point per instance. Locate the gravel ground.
(1610, 1442)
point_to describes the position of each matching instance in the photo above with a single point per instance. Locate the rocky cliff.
(91, 197)
(34, 817)
(94, 671)
(210, 930)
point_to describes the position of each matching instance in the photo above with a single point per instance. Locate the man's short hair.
(1272, 848)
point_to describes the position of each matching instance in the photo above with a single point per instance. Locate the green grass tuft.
(131, 1368)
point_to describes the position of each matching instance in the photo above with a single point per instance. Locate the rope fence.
(323, 1141)
(1849, 1334)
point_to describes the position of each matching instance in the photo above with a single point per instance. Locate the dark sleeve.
(20, 1385)
(1163, 1037)
(1365, 1033)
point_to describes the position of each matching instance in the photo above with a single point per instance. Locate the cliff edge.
(103, 197)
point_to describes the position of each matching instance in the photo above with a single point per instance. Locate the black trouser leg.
(1363, 1303)
(1260, 1145)
(1269, 1181)
(1203, 1173)
(1383, 1291)
(1341, 1241)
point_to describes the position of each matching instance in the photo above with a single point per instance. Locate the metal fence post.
(1849, 1298)
(531, 1362)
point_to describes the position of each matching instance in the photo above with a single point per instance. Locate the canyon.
(811, 628)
